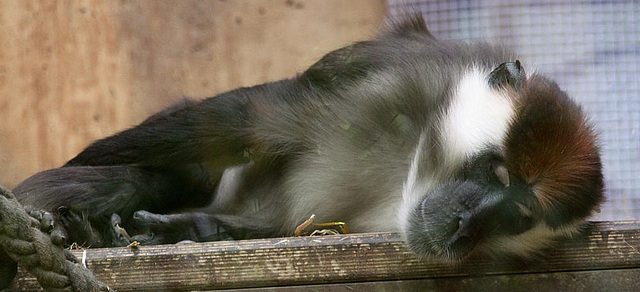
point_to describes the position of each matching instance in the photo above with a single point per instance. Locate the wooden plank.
(583, 281)
(335, 259)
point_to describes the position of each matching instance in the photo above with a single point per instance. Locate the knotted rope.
(22, 240)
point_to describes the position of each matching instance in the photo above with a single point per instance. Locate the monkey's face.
(520, 168)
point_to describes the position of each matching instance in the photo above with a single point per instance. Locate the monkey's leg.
(170, 161)
(189, 132)
(84, 198)
(218, 130)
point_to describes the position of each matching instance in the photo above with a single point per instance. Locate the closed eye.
(501, 173)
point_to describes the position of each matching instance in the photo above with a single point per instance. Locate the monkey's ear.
(508, 74)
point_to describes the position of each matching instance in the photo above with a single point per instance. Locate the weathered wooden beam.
(607, 246)
(578, 281)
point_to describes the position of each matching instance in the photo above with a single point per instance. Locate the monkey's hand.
(48, 225)
(172, 228)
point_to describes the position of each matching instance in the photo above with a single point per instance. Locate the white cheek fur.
(477, 117)
(412, 188)
(529, 243)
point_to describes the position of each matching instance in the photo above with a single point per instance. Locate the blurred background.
(75, 71)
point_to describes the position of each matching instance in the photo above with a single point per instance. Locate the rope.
(21, 239)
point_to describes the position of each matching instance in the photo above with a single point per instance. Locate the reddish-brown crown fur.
(553, 148)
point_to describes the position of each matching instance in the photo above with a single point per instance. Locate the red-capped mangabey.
(451, 144)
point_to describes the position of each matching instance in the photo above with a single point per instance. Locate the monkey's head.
(520, 167)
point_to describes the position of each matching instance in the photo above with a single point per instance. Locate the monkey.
(451, 144)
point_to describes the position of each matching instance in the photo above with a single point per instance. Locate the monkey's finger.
(47, 222)
(150, 219)
(120, 237)
(58, 237)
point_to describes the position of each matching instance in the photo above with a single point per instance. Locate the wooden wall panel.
(75, 71)
(62, 82)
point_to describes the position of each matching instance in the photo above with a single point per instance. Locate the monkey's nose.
(464, 239)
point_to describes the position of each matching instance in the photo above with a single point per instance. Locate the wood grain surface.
(609, 247)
